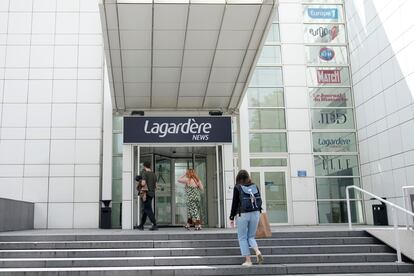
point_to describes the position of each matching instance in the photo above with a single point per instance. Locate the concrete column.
(107, 141)
(228, 181)
(127, 186)
(302, 202)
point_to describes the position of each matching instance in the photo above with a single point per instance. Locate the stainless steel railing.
(394, 209)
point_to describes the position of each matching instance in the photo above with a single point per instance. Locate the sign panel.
(328, 76)
(324, 33)
(139, 130)
(328, 118)
(334, 142)
(302, 173)
(323, 13)
(330, 97)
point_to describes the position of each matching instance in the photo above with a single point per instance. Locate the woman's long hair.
(243, 177)
(191, 174)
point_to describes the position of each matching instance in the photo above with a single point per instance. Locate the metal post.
(405, 207)
(397, 234)
(348, 206)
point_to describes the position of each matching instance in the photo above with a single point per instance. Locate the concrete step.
(207, 251)
(184, 243)
(193, 260)
(188, 235)
(285, 269)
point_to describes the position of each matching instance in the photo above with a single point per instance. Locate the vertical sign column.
(330, 93)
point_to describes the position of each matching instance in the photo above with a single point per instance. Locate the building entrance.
(169, 164)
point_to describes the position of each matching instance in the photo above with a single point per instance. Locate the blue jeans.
(246, 231)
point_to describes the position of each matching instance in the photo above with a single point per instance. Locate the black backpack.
(250, 199)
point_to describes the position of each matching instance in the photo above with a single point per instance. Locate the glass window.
(328, 118)
(324, 33)
(267, 118)
(276, 207)
(334, 142)
(235, 142)
(330, 97)
(336, 212)
(268, 162)
(117, 190)
(323, 13)
(117, 143)
(274, 35)
(255, 176)
(116, 215)
(267, 142)
(117, 167)
(322, 55)
(267, 76)
(270, 55)
(265, 97)
(334, 188)
(117, 123)
(336, 165)
(328, 76)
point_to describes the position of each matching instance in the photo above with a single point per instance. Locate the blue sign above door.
(138, 130)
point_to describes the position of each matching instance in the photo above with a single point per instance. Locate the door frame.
(285, 170)
(220, 178)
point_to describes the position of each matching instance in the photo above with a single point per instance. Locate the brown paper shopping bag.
(263, 228)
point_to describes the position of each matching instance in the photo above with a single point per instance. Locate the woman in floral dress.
(193, 189)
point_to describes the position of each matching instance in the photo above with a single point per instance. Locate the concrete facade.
(381, 50)
(52, 83)
(51, 75)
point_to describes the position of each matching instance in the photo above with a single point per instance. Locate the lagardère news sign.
(177, 130)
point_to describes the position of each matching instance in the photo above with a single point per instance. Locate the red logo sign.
(328, 76)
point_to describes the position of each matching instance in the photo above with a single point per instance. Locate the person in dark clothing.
(246, 221)
(151, 180)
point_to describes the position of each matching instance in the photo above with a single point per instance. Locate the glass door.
(273, 191)
(180, 167)
(200, 166)
(164, 192)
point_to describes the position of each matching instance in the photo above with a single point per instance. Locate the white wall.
(381, 36)
(51, 109)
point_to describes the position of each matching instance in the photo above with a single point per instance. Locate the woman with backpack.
(193, 189)
(247, 204)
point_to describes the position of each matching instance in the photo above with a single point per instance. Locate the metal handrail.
(405, 196)
(393, 206)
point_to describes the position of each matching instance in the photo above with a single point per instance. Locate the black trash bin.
(106, 213)
(379, 212)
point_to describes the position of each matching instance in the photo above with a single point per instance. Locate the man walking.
(151, 179)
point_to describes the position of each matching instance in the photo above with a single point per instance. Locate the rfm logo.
(333, 117)
(324, 31)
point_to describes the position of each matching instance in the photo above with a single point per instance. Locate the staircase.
(208, 252)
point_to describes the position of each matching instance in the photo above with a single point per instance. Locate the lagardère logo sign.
(200, 131)
(177, 130)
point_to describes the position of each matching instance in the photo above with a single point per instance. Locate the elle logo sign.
(323, 13)
(177, 130)
(326, 54)
(328, 76)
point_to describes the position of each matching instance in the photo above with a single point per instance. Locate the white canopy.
(182, 54)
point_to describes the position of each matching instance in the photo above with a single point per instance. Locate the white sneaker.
(247, 264)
